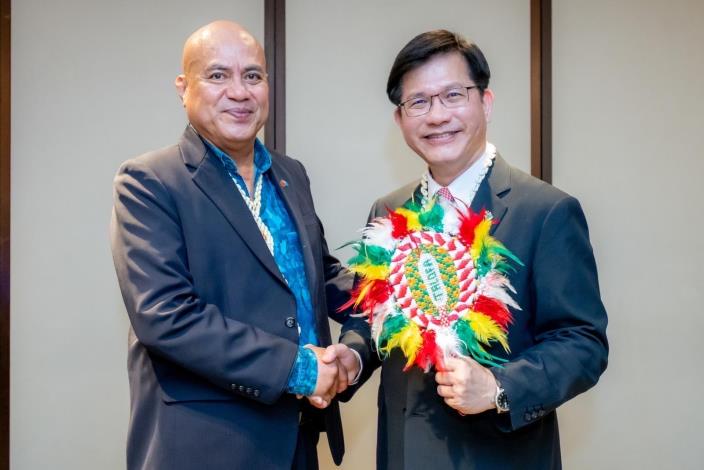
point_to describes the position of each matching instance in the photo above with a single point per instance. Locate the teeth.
(440, 136)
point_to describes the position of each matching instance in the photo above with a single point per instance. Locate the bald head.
(217, 32)
(224, 86)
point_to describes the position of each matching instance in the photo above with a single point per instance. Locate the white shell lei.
(255, 206)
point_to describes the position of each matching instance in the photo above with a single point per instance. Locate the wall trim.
(541, 89)
(5, 116)
(275, 50)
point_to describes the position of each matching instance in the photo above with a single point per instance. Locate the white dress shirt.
(464, 187)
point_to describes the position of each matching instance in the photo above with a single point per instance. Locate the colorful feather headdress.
(433, 283)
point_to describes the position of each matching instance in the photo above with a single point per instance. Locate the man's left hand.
(466, 386)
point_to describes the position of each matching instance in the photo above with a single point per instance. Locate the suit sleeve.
(570, 350)
(167, 315)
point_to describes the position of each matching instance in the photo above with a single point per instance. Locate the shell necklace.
(255, 206)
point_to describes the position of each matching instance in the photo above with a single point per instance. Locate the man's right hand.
(326, 385)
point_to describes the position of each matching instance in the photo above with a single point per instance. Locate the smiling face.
(224, 87)
(449, 140)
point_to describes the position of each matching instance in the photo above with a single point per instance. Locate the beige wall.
(92, 86)
(628, 142)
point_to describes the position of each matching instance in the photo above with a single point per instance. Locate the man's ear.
(397, 116)
(488, 103)
(181, 84)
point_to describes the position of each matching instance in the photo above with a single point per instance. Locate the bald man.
(228, 283)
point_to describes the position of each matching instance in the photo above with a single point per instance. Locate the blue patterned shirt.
(288, 257)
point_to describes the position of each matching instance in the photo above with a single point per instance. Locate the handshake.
(338, 366)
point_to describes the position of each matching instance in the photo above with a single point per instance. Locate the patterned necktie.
(445, 193)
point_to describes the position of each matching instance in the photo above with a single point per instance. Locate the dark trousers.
(306, 455)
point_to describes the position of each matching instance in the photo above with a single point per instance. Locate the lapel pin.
(283, 183)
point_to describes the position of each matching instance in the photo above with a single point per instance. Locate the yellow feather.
(412, 223)
(371, 271)
(481, 232)
(486, 329)
(409, 340)
(366, 286)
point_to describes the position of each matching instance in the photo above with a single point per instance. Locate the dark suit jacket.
(558, 342)
(213, 335)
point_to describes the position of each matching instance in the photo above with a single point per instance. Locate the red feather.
(399, 224)
(496, 310)
(378, 293)
(349, 303)
(468, 222)
(354, 295)
(429, 353)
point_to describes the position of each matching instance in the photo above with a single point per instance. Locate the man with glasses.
(470, 415)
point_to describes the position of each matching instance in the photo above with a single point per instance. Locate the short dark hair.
(423, 47)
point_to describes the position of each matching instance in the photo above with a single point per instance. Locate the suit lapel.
(282, 179)
(488, 196)
(217, 186)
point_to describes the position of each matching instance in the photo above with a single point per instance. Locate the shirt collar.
(462, 187)
(262, 157)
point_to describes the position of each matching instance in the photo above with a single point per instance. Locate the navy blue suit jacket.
(213, 335)
(558, 341)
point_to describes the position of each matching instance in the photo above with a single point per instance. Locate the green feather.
(466, 335)
(353, 242)
(432, 218)
(494, 255)
(377, 255)
(413, 205)
(483, 262)
(359, 258)
(471, 347)
(499, 249)
(372, 254)
(392, 325)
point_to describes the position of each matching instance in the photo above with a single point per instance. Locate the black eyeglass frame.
(430, 100)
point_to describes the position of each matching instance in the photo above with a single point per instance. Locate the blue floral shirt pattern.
(288, 257)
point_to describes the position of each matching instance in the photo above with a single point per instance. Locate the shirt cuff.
(359, 374)
(304, 374)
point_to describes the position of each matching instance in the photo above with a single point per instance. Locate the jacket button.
(241, 388)
(290, 322)
(526, 417)
(249, 390)
(534, 415)
(256, 393)
(233, 387)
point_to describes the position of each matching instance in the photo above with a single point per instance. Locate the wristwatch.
(500, 399)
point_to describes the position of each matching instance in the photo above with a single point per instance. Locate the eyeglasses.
(450, 98)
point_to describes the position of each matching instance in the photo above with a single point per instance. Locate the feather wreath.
(433, 283)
